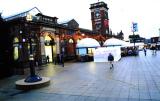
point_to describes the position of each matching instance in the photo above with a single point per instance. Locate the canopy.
(88, 42)
(132, 44)
(114, 42)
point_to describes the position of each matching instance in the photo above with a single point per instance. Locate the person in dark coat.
(110, 59)
(47, 59)
(145, 51)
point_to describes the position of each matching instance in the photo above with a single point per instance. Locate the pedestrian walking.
(111, 59)
(61, 59)
(145, 51)
(47, 59)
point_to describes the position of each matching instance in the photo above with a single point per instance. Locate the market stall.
(85, 49)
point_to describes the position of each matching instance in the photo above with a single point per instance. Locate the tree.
(120, 35)
(134, 36)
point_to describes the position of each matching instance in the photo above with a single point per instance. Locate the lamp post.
(32, 81)
(134, 29)
(32, 77)
(159, 34)
(134, 40)
(158, 40)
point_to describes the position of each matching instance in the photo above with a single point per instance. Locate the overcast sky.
(121, 13)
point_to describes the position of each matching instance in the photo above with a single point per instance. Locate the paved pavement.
(135, 78)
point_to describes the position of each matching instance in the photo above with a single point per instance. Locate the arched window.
(47, 40)
(70, 41)
(16, 45)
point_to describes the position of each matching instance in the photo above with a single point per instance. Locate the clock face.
(97, 13)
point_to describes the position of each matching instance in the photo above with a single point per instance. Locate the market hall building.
(32, 35)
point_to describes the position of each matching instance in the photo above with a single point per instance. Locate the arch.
(48, 46)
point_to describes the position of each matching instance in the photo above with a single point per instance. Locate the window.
(70, 40)
(82, 51)
(15, 45)
(98, 26)
(91, 50)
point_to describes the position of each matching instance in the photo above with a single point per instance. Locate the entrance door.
(48, 52)
(49, 48)
(70, 49)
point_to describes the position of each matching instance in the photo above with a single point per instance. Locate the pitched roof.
(32, 11)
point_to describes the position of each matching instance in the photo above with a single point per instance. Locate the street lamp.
(32, 77)
(159, 34)
(32, 81)
(134, 29)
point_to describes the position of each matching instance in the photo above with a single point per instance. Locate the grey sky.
(121, 13)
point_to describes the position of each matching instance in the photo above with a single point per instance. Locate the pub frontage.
(31, 38)
(34, 35)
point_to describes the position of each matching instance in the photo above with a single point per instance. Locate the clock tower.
(99, 17)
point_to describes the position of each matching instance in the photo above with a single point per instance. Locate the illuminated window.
(29, 17)
(82, 51)
(15, 45)
(16, 55)
(70, 40)
(47, 38)
(91, 50)
(16, 40)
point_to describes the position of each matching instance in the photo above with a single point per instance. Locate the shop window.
(91, 50)
(82, 51)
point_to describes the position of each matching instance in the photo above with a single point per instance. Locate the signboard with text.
(134, 27)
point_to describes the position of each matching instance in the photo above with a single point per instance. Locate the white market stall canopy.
(132, 44)
(114, 42)
(88, 42)
(140, 45)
